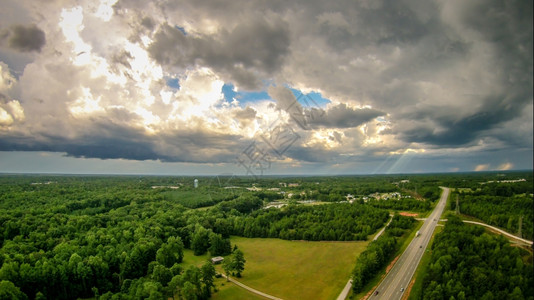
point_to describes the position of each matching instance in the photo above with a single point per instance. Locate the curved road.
(509, 235)
(248, 288)
(393, 285)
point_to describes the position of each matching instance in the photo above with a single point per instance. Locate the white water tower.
(195, 183)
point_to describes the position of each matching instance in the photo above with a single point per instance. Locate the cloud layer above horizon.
(354, 83)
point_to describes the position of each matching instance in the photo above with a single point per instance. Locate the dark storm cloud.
(202, 146)
(311, 154)
(252, 48)
(448, 77)
(337, 116)
(24, 38)
(466, 130)
(148, 23)
(506, 28)
(507, 25)
(106, 141)
(112, 141)
(480, 47)
(342, 116)
(383, 22)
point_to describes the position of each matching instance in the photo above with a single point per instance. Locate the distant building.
(217, 260)
(195, 183)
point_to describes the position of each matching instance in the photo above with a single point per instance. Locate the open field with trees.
(66, 237)
(136, 237)
(298, 269)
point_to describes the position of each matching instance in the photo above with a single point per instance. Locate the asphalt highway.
(394, 284)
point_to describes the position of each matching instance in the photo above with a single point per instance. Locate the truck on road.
(417, 234)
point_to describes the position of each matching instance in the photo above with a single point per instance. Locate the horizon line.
(259, 177)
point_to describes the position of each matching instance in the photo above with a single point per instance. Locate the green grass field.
(295, 269)
(230, 291)
(191, 259)
(226, 290)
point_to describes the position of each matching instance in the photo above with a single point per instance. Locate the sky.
(265, 87)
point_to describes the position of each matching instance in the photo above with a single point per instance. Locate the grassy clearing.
(297, 269)
(229, 291)
(191, 259)
(226, 290)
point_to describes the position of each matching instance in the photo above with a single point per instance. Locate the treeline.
(504, 189)
(359, 186)
(333, 222)
(204, 197)
(468, 263)
(428, 189)
(500, 211)
(196, 199)
(519, 182)
(379, 253)
(401, 204)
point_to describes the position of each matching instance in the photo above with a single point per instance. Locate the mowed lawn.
(298, 269)
(191, 259)
(230, 291)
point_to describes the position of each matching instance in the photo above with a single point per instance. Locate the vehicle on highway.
(417, 233)
(402, 289)
(376, 292)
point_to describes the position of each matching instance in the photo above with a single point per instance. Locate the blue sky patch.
(172, 82)
(310, 100)
(229, 93)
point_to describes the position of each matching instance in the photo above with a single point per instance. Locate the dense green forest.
(468, 263)
(123, 237)
(500, 204)
(78, 237)
(64, 237)
(335, 222)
